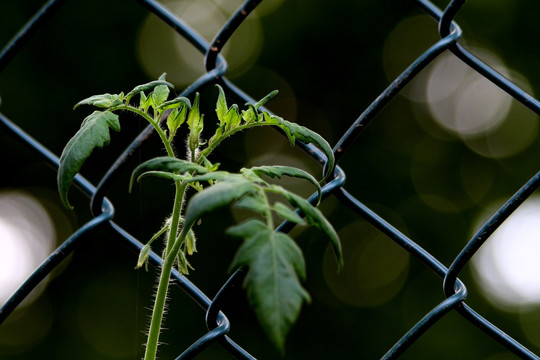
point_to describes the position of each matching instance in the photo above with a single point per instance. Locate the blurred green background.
(434, 163)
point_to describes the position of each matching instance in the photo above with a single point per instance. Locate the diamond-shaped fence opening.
(452, 130)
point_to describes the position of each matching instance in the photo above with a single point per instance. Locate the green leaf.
(148, 86)
(285, 212)
(195, 124)
(160, 95)
(143, 257)
(232, 118)
(276, 265)
(164, 164)
(191, 243)
(315, 217)
(102, 101)
(264, 99)
(221, 194)
(252, 202)
(94, 132)
(142, 101)
(250, 115)
(175, 119)
(295, 131)
(172, 125)
(221, 105)
(176, 102)
(279, 171)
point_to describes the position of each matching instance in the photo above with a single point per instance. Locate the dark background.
(327, 59)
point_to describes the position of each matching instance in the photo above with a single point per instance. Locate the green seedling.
(275, 263)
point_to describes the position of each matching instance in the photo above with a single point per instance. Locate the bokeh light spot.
(160, 49)
(463, 101)
(408, 40)
(27, 237)
(506, 266)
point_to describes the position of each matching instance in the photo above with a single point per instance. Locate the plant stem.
(168, 261)
(206, 152)
(159, 308)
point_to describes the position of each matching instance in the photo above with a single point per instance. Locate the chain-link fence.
(216, 321)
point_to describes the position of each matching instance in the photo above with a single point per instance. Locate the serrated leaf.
(288, 214)
(276, 265)
(102, 101)
(175, 119)
(148, 86)
(171, 123)
(252, 202)
(160, 95)
(232, 118)
(250, 115)
(295, 131)
(221, 194)
(279, 171)
(94, 132)
(221, 105)
(164, 164)
(315, 217)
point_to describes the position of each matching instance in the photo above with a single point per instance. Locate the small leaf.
(279, 171)
(143, 256)
(94, 132)
(176, 102)
(221, 105)
(250, 115)
(142, 101)
(175, 119)
(221, 194)
(276, 265)
(295, 131)
(254, 203)
(194, 114)
(148, 86)
(171, 123)
(183, 264)
(232, 118)
(191, 241)
(165, 164)
(265, 99)
(160, 95)
(195, 124)
(315, 217)
(209, 165)
(287, 213)
(102, 101)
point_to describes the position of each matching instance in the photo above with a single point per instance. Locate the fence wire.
(216, 68)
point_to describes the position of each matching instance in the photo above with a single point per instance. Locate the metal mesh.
(216, 67)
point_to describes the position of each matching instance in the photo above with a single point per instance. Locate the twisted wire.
(217, 323)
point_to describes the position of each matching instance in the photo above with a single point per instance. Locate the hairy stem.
(168, 262)
(159, 308)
